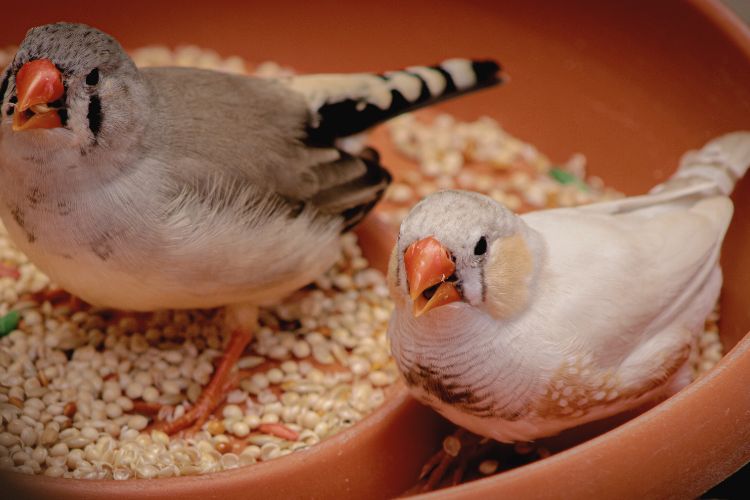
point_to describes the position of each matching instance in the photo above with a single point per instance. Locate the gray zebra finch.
(145, 189)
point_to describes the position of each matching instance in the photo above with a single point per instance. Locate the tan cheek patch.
(507, 276)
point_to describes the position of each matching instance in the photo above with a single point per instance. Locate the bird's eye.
(481, 247)
(93, 77)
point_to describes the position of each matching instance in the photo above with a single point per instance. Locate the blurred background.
(741, 7)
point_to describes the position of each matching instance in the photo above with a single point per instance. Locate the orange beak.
(428, 265)
(38, 83)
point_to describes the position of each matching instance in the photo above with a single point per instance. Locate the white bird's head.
(69, 87)
(462, 247)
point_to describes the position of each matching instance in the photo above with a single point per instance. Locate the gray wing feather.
(252, 131)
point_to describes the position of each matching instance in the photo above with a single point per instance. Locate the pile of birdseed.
(480, 156)
(79, 386)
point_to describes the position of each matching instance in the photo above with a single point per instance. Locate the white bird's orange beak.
(38, 83)
(428, 265)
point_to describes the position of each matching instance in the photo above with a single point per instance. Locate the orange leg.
(214, 393)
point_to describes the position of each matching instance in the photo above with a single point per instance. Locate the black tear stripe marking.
(483, 283)
(95, 114)
(18, 215)
(12, 100)
(398, 264)
(63, 114)
(3, 89)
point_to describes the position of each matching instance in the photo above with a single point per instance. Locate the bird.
(173, 188)
(520, 327)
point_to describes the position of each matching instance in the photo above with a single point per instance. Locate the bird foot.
(213, 394)
(458, 449)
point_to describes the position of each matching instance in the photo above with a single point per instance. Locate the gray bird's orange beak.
(38, 83)
(428, 265)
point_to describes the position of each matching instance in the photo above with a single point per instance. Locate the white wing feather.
(624, 277)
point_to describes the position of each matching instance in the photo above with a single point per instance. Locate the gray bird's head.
(69, 85)
(459, 246)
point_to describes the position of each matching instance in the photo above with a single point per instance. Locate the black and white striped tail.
(346, 104)
(723, 160)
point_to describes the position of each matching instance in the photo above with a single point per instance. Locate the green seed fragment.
(565, 177)
(8, 323)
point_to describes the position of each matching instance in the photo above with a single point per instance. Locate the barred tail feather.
(343, 105)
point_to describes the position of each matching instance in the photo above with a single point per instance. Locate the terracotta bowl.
(629, 84)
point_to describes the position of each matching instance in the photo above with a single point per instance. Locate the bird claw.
(436, 467)
(431, 463)
(458, 473)
(438, 472)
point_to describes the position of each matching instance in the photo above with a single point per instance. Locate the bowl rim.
(725, 19)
